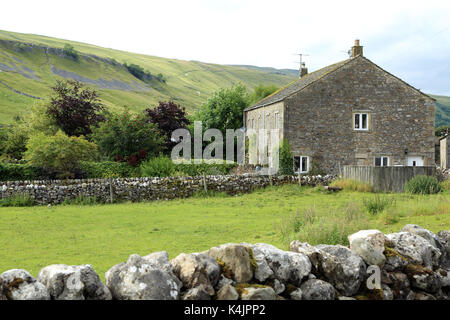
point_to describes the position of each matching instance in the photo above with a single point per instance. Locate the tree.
(168, 116)
(71, 52)
(224, 110)
(286, 158)
(126, 137)
(261, 91)
(34, 121)
(59, 152)
(75, 109)
(441, 131)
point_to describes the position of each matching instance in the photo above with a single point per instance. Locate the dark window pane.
(296, 163)
(304, 164)
(385, 161)
(364, 121)
(377, 161)
(356, 121)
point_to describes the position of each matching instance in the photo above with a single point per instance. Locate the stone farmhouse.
(349, 113)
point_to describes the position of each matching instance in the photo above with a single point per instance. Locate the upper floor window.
(361, 121)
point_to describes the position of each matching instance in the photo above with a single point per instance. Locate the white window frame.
(300, 168)
(360, 121)
(382, 165)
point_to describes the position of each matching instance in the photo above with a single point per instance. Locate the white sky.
(411, 39)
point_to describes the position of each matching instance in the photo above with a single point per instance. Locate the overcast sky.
(410, 39)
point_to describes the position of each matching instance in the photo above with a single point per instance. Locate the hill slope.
(30, 64)
(442, 110)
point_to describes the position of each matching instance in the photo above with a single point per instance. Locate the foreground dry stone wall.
(139, 189)
(413, 264)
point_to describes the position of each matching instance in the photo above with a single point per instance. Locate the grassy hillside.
(30, 64)
(442, 110)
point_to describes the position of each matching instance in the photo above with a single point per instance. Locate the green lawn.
(104, 235)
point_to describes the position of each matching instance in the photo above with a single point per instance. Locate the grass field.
(104, 235)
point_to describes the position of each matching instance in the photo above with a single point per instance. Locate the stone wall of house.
(141, 189)
(319, 119)
(445, 153)
(412, 264)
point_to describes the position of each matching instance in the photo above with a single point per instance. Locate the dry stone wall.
(413, 264)
(141, 189)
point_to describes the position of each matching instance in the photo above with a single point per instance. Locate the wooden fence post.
(111, 193)
(204, 182)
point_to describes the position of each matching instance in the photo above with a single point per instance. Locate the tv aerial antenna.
(301, 55)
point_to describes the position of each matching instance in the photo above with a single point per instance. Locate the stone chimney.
(357, 50)
(303, 70)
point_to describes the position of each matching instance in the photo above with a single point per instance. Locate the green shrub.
(378, 203)
(20, 200)
(207, 167)
(286, 158)
(445, 185)
(107, 169)
(161, 166)
(71, 52)
(16, 172)
(60, 152)
(423, 185)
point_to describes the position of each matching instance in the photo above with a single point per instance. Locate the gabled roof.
(303, 82)
(297, 85)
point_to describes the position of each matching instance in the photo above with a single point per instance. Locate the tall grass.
(19, 200)
(378, 203)
(331, 228)
(352, 185)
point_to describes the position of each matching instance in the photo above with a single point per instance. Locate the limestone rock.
(18, 284)
(369, 245)
(344, 269)
(400, 286)
(394, 260)
(285, 266)
(65, 282)
(423, 278)
(423, 296)
(444, 239)
(161, 260)
(2, 295)
(258, 294)
(227, 292)
(415, 248)
(316, 289)
(140, 279)
(236, 258)
(223, 281)
(190, 269)
(296, 294)
(196, 294)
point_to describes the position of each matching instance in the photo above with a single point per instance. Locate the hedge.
(108, 169)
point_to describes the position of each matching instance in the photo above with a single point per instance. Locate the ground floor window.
(301, 164)
(381, 161)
